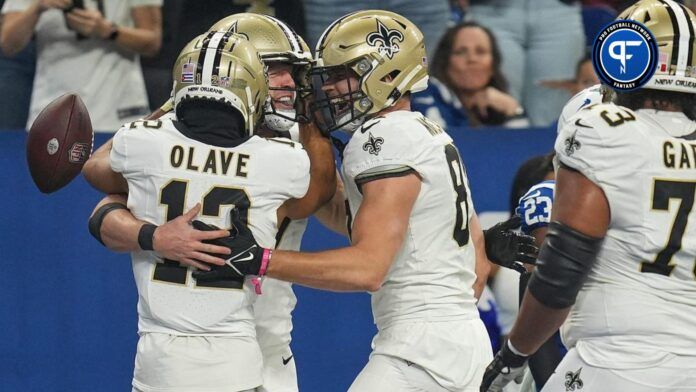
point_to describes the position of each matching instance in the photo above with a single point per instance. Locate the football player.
(287, 58)
(409, 213)
(618, 258)
(200, 335)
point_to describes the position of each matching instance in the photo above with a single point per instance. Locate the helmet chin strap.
(278, 122)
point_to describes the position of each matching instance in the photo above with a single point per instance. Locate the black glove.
(507, 248)
(247, 257)
(506, 366)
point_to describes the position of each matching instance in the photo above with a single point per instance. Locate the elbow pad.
(563, 265)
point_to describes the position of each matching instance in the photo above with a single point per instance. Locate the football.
(59, 143)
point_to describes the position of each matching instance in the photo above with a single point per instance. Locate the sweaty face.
(471, 61)
(281, 85)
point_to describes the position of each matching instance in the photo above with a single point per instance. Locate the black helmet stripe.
(690, 24)
(289, 34)
(211, 55)
(682, 36)
(201, 56)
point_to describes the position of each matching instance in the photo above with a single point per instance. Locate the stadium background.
(68, 312)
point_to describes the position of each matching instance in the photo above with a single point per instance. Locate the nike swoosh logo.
(249, 257)
(578, 123)
(285, 361)
(367, 127)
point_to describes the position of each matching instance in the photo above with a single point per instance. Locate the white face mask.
(278, 123)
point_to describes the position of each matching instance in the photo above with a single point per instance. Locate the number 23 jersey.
(167, 174)
(640, 297)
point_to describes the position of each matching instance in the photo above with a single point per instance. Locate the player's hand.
(245, 258)
(89, 23)
(508, 248)
(44, 5)
(506, 366)
(177, 240)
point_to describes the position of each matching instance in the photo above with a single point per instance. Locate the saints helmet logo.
(233, 29)
(373, 145)
(385, 40)
(571, 144)
(573, 381)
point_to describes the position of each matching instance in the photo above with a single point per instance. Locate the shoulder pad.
(602, 115)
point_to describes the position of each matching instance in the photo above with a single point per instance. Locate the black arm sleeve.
(95, 221)
(564, 262)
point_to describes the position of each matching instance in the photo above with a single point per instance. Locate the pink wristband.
(265, 259)
(256, 280)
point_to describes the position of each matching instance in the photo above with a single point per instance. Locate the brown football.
(59, 143)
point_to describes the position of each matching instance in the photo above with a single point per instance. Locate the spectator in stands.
(16, 78)
(432, 18)
(585, 77)
(467, 87)
(89, 47)
(540, 40)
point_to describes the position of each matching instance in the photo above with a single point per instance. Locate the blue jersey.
(439, 104)
(535, 206)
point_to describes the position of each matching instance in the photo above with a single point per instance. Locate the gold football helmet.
(673, 26)
(225, 67)
(383, 50)
(276, 42)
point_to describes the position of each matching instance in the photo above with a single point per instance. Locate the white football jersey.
(168, 173)
(639, 303)
(582, 99)
(433, 273)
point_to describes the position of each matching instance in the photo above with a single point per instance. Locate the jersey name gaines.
(678, 155)
(209, 160)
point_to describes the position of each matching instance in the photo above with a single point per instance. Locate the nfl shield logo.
(79, 152)
(187, 72)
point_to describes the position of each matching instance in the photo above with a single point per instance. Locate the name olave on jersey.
(209, 160)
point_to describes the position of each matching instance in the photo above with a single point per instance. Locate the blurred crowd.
(503, 63)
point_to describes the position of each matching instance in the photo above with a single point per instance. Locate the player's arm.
(378, 233)
(322, 183)
(18, 26)
(116, 228)
(483, 266)
(581, 233)
(333, 214)
(570, 248)
(97, 170)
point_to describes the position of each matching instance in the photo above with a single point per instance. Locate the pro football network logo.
(625, 55)
(386, 40)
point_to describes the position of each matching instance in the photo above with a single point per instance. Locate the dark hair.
(660, 99)
(530, 173)
(443, 53)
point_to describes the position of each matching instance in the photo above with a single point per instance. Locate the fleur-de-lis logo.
(385, 40)
(373, 145)
(573, 381)
(233, 29)
(571, 144)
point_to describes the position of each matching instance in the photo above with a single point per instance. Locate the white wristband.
(514, 350)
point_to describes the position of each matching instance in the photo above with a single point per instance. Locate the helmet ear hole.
(391, 76)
